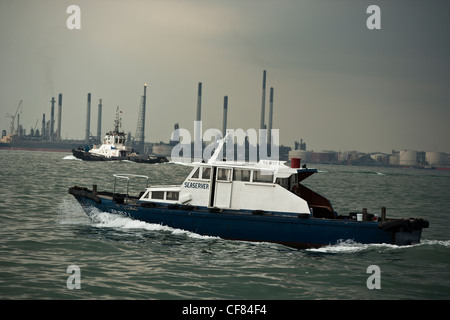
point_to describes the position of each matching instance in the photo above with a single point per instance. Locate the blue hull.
(278, 228)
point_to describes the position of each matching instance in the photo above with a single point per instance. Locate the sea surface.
(44, 234)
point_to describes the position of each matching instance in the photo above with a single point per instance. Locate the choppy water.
(43, 231)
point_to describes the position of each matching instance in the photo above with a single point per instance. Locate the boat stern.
(405, 231)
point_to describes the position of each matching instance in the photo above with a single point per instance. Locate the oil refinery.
(47, 137)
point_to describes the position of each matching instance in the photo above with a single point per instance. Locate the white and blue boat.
(263, 201)
(114, 148)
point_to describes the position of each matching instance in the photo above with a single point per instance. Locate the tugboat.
(114, 148)
(263, 201)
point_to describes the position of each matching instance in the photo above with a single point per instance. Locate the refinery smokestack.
(88, 118)
(198, 146)
(140, 137)
(52, 120)
(225, 110)
(269, 131)
(99, 121)
(144, 103)
(58, 135)
(199, 102)
(43, 127)
(263, 103)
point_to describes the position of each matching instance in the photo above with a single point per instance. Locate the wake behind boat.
(114, 148)
(262, 201)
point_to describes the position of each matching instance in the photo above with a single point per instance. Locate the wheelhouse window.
(196, 174)
(158, 195)
(223, 174)
(172, 195)
(294, 179)
(284, 182)
(203, 173)
(241, 175)
(263, 176)
(206, 174)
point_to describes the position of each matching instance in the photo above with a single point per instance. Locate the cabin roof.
(279, 168)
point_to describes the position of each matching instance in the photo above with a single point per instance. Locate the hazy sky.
(337, 84)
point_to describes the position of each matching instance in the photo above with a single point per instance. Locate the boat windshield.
(118, 139)
(241, 175)
(206, 173)
(284, 182)
(224, 174)
(262, 176)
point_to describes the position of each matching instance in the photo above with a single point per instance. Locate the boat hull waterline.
(294, 231)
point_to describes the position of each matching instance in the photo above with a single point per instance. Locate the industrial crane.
(13, 130)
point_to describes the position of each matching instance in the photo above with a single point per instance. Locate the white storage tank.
(408, 158)
(394, 160)
(434, 158)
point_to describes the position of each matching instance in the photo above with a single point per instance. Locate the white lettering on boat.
(196, 185)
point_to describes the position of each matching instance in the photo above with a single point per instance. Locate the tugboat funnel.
(295, 162)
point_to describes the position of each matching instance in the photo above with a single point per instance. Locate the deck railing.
(127, 177)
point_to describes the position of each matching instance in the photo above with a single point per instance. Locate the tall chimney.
(58, 135)
(52, 120)
(88, 118)
(43, 127)
(263, 103)
(198, 145)
(140, 130)
(99, 121)
(144, 103)
(199, 102)
(269, 131)
(225, 110)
